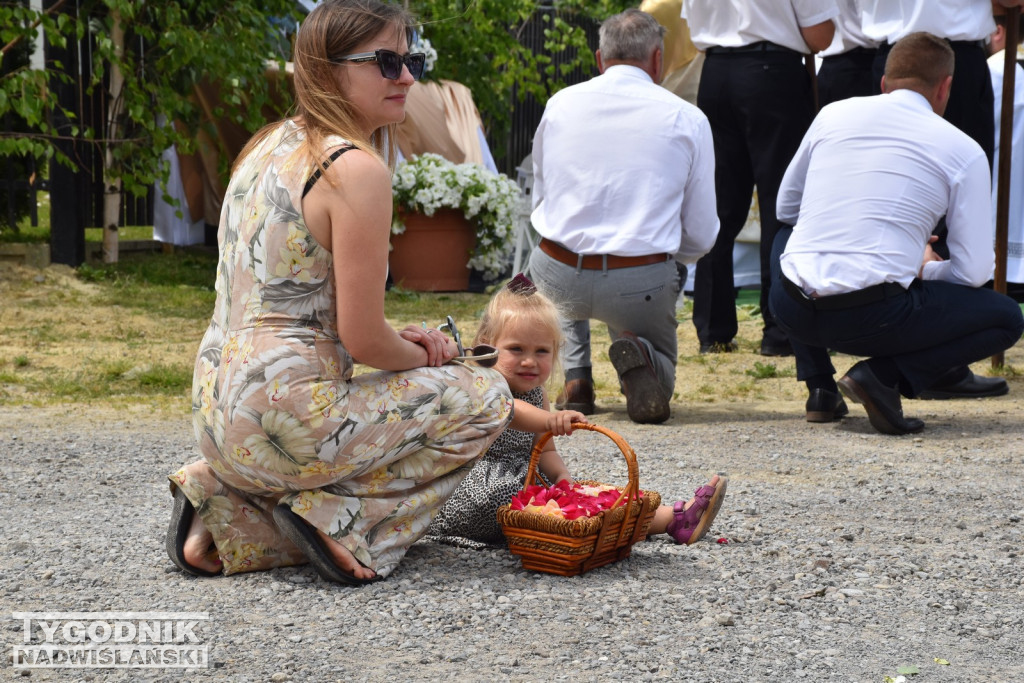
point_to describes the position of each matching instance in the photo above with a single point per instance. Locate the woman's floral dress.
(278, 416)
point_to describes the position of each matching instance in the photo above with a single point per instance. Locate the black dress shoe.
(825, 406)
(646, 401)
(882, 403)
(718, 347)
(578, 394)
(783, 348)
(971, 386)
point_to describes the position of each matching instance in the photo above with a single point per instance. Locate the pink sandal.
(690, 525)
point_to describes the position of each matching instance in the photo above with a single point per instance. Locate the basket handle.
(632, 490)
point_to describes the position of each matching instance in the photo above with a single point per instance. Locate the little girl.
(525, 327)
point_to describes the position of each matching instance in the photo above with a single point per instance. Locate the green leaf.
(941, 662)
(908, 670)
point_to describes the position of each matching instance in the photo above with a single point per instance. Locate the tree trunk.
(112, 184)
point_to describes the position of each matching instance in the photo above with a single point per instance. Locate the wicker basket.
(571, 547)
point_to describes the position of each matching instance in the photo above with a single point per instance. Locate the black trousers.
(850, 74)
(759, 105)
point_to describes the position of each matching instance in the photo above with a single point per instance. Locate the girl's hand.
(439, 347)
(560, 423)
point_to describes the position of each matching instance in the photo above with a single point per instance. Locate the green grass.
(40, 232)
(464, 307)
(176, 285)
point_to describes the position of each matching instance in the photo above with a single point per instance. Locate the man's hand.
(929, 254)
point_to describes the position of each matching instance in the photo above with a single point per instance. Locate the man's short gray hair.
(630, 36)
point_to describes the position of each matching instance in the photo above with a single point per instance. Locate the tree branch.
(17, 39)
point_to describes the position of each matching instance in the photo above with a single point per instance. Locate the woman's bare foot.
(345, 560)
(664, 515)
(197, 549)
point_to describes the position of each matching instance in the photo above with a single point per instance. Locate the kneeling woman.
(301, 461)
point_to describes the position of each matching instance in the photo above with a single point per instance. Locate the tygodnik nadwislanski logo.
(111, 640)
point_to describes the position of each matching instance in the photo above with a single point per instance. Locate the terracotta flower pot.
(433, 252)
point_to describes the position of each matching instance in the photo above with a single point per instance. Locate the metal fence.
(526, 113)
(77, 194)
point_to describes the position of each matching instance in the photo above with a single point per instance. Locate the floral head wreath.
(521, 284)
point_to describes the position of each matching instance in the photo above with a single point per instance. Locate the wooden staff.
(1005, 154)
(813, 73)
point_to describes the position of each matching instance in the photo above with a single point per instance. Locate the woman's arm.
(355, 206)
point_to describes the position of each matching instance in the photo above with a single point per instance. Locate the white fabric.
(485, 151)
(867, 186)
(849, 34)
(734, 23)
(890, 20)
(622, 166)
(173, 224)
(1015, 231)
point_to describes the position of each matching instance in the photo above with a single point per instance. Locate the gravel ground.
(840, 554)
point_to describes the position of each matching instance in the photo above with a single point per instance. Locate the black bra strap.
(316, 176)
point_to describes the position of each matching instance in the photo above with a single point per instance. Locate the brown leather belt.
(597, 261)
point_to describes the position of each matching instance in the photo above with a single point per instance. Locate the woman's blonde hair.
(334, 29)
(519, 302)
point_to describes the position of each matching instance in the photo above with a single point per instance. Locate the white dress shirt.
(849, 34)
(867, 186)
(735, 23)
(1015, 250)
(890, 20)
(622, 166)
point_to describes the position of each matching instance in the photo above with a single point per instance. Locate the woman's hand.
(439, 347)
(560, 423)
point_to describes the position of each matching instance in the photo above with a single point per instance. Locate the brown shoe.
(646, 401)
(578, 394)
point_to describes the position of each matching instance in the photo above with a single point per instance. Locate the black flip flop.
(306, 540)
(177, 533)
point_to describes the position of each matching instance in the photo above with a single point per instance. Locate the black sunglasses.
(390, 63)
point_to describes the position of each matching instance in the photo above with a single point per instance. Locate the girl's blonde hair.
(516, 303)
(334, 29)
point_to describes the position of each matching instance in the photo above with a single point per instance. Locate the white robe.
(1015, 250)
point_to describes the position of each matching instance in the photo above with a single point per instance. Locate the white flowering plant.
(428, 182)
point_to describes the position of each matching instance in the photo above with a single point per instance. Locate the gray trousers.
(641, 300)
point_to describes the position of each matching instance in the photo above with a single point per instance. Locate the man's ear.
(997, 41)
(945, 87)
(883, 83)
(600, 65)
(658, 65)
(942, 95)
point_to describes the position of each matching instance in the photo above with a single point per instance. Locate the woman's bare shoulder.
(358, 167)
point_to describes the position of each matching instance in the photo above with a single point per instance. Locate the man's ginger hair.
(919, 62)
